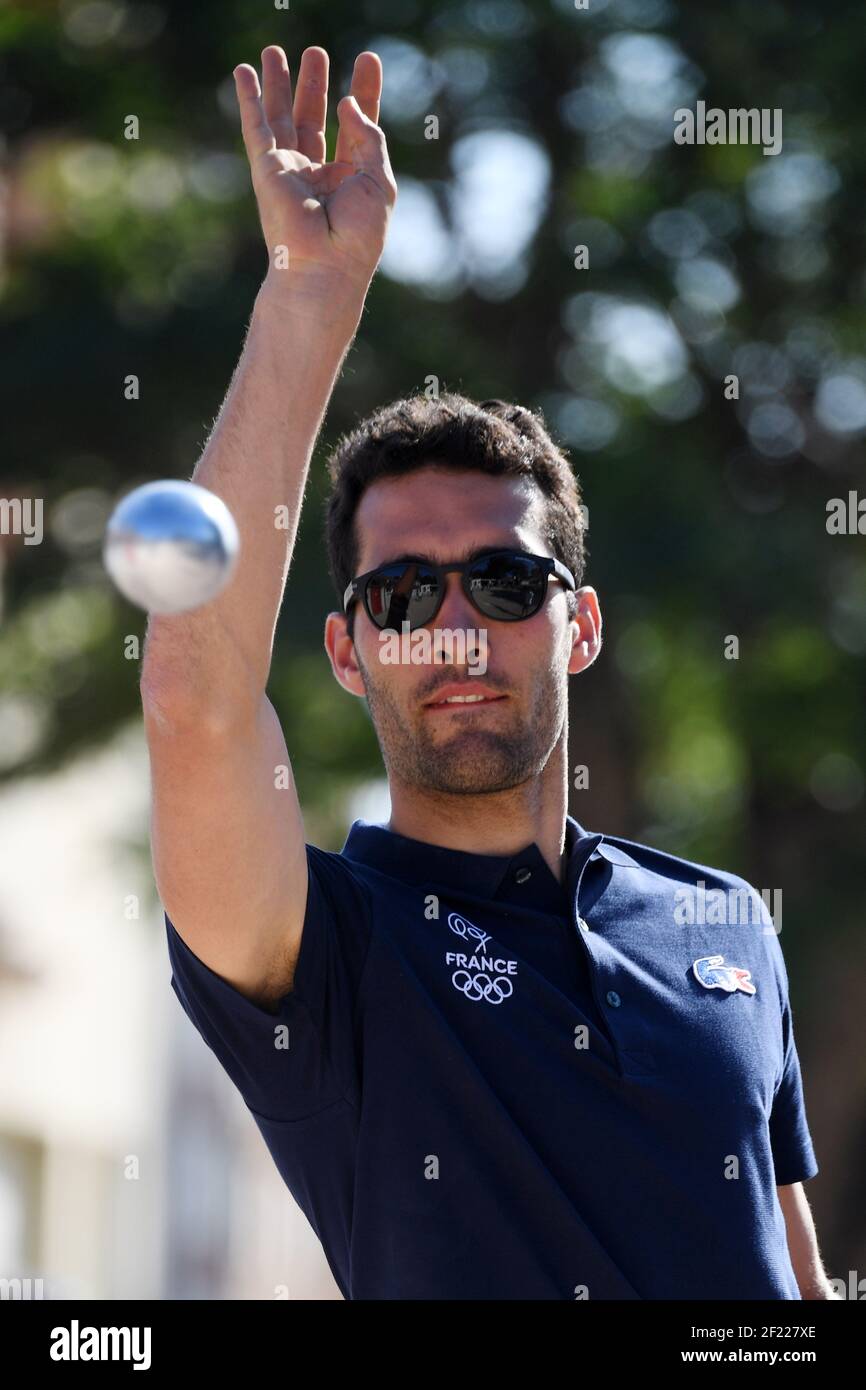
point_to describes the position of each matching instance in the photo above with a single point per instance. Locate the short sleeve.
(293, 1062)
(793, 1154)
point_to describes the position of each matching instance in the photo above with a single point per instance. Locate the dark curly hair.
(494, 437)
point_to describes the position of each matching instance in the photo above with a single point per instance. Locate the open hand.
(331, 218)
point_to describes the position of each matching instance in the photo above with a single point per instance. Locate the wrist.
(318, 299)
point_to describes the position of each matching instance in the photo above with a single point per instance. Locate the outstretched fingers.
(366, 85)
(257, 134)
(366, 88)
(277, 88)
(311, 104)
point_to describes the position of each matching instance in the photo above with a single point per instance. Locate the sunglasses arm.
(561, 572)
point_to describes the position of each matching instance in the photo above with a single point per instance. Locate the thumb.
(361, 143)
(349, 111)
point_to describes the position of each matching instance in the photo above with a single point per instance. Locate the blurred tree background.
(707, 515)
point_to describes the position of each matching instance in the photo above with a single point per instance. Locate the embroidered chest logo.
(710, 972)
(477, 974)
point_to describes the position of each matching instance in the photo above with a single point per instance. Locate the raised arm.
(227, 838)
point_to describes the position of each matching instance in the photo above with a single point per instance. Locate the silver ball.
(171, 546)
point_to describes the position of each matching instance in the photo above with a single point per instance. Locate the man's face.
(506, 738)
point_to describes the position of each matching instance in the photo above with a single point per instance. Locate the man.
(491, 1053)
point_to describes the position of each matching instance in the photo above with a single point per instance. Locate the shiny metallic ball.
(171, 546)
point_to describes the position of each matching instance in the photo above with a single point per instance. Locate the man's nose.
(456, 609)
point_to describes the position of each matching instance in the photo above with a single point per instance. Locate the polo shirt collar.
(486, 875)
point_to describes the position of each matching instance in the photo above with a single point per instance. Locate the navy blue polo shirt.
(486, 1084)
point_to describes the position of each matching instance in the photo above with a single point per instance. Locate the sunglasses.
(506, 585)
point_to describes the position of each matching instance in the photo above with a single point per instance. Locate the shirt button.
(523, 875)
(613, 999)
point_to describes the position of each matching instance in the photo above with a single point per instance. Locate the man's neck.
(496, 823)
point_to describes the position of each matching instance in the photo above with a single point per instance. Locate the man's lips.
(463, 695)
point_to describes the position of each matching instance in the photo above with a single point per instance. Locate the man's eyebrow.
(474, 554)
(399, 559)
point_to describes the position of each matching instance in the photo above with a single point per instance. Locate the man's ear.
(585, 630)
(341, 654)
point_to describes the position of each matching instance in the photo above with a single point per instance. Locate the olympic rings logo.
(481, 986)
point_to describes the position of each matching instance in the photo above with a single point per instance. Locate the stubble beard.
(475, 760)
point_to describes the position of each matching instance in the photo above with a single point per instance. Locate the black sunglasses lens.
(507, 586)
(402, 592)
